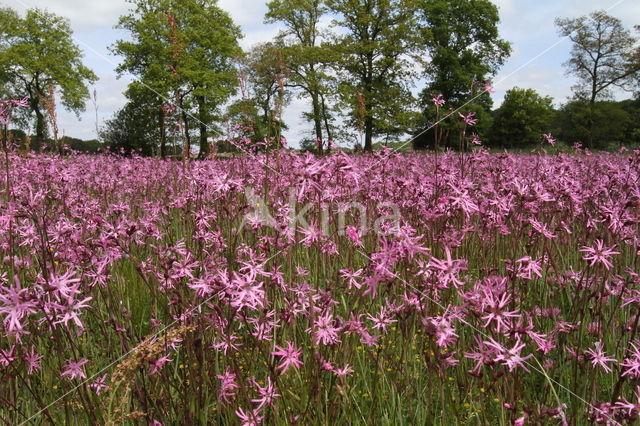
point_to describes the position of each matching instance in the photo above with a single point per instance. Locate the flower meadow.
(284, 288)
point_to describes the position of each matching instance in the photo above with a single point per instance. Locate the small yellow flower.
(466, 405)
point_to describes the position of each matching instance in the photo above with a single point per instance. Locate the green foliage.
(373, 64)
(463, 43)
(305, 56)
(132, 129)
(183, 53)
(521, 119)
(450, 124)
(37, 53)
(263, 76)
(309, 145)
(632, 132)
(92, 146)
(610, 126)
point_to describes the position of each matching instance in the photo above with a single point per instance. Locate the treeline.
(356, 64)
(525, 116)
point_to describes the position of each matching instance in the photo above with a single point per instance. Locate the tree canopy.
(38, 57)
(184, 53)
(522, 119)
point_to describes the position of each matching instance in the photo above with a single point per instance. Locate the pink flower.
(354, 235)
(71, 310)
(549, 138)
(344, 371)
(228, 385)
(267, 394)
(158, 364)
(73, 369)
(487, 87)
(250, 418)
(509, 357)
(383, 320)
(290, 357)
(527, 268)
(16, 304)
(23, 103)
(475, 139)
(7, 356)
(437, 100)
(495, 310)
(468, 119)
(323, 330)
(632, 363)
(449, 268)
(99, 384)
(599, 254)
(65, 285)
(599, 358)
(33, 361)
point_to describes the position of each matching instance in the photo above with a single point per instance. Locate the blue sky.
(536, 62)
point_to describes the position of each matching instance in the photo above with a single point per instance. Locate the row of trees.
(525, 116)
(359, 71)
(356, 62)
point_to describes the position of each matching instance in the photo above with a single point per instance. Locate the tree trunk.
(186, 151)
(41, 126)
(368, 133)
(202, 116)
(592, 102)
(326, 118)
(317, 120)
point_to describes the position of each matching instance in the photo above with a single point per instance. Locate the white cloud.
(246, 13)
(83, 14)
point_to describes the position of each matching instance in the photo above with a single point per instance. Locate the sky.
(536, 60)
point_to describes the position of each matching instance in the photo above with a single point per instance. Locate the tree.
(604, 55)
(522, 118)
(132, 128)
(37, 55)
(464, 46)
(263, 74)
(373, 48)
(605, 124)
(304, 56)
(184, 53)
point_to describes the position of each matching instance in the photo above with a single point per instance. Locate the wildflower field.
(292, 289)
